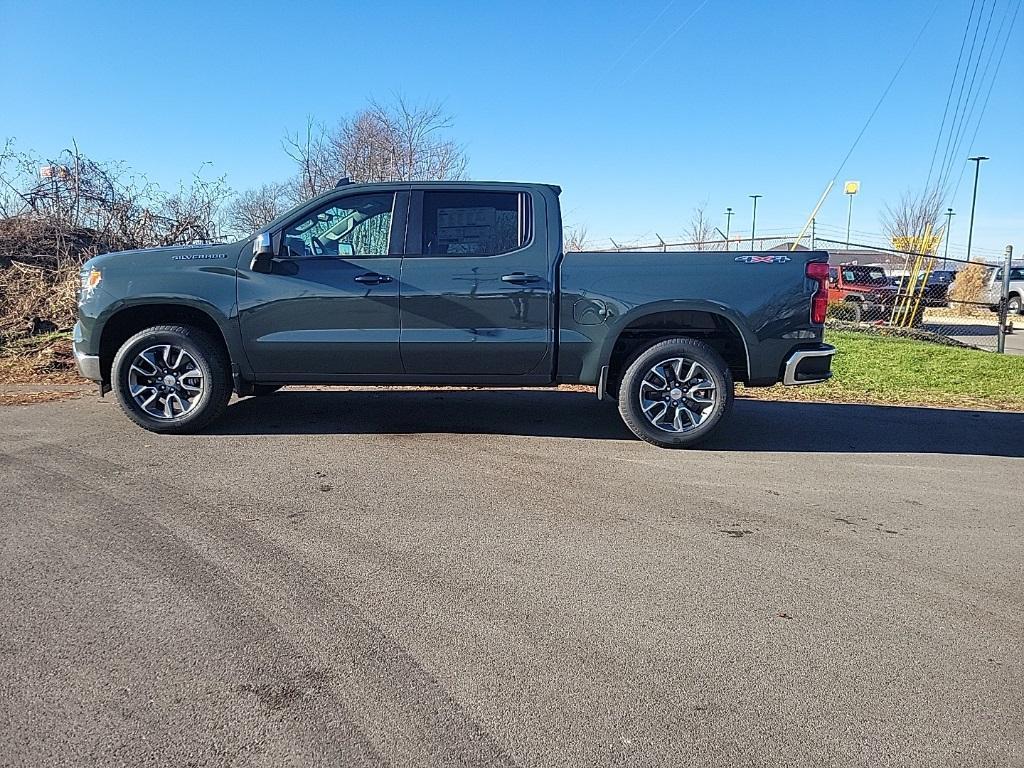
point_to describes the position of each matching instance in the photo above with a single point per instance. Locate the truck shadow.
(755, 425)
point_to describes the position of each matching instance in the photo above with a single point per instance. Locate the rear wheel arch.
(129, 320)
(716, 330)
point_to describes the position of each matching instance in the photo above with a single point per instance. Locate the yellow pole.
(924, 283)
(813, 214)
(911, 287)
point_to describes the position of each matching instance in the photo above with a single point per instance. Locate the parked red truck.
(867, 288)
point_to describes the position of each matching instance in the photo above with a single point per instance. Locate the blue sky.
(638, 114)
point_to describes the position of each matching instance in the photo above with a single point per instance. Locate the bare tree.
(56, 213)
(701, 231)
(318, 166)
(574, 238)
(397, 141)
(912, 222)
(250, 210)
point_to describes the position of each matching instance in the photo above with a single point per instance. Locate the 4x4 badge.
(764, 259)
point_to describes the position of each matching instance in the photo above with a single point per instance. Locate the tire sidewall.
(629, 391)
(153, 337)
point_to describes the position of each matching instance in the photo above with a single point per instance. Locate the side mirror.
(346, 249)
(262, 253)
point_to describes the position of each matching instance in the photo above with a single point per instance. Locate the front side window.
(865, 276)
(359, 225)
(474, 223)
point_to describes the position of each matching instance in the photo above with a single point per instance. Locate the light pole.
(729, 213)
(753, 223)
(851, 188)
(974, 200)
(949, 223)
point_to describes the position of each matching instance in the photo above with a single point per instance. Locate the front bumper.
(89, 366)
(809, 366)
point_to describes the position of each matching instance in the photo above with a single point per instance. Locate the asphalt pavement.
(508, 578)
(979, 332)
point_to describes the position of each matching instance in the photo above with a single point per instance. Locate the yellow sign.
(851, 188)
(917, 243)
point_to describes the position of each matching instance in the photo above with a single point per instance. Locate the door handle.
(520, 278)
(372, 278)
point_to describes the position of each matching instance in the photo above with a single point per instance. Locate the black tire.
(629, 392)
(262, 390)
(210, 359)
(858, 311)
(1014, 306)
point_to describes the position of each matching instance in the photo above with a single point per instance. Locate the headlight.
(90, 279)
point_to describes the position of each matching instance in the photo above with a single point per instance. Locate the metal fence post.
(1004, 301)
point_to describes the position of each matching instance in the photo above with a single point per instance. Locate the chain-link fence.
(946, 299)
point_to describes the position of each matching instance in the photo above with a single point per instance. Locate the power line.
(636, 39)
(963, 83)
(969, 112)
(991, 84)
(888, 88)
(664, 42)
(949, 96)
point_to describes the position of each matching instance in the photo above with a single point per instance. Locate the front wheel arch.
(129, 320)
(147, 374)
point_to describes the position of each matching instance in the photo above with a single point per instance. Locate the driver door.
(329, 307)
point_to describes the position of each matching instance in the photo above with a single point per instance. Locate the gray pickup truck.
(440, 283)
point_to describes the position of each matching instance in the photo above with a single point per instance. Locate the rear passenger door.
(476, 287)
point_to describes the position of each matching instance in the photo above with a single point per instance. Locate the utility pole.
(949, 223)
(850, 189)
(729, 213)
(753, 223)
(974, 200)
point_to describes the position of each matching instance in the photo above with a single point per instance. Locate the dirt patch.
(38, 396)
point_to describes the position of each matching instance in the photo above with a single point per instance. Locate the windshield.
(865, 275)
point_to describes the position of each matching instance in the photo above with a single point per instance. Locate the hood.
(185, 254)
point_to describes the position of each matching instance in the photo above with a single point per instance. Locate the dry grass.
(45, 359)
(970, 286)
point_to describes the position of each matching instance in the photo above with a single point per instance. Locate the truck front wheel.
(675, 393)
(172, 379)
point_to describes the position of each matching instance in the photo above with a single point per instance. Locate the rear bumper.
(809, 366)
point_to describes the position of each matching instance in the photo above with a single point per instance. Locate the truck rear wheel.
(171, 379)
(675, 393)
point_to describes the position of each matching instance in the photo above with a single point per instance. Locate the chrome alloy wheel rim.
(166, 382)
(677, 395)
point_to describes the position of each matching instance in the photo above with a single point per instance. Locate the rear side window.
(474, 223)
